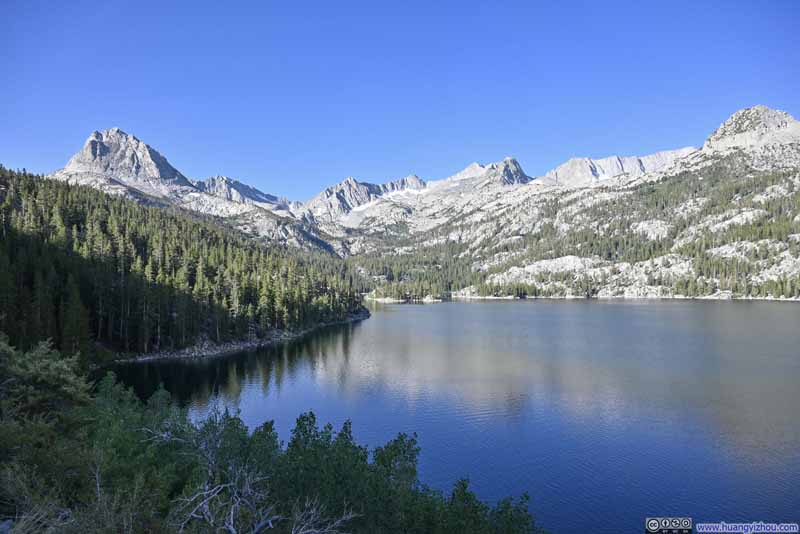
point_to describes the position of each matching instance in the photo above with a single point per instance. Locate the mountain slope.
(724, 220)
(235, 191)
(490, 225)
(120, 164)
(135, 278)
(586, 171)
(755, 127)
(342, 198)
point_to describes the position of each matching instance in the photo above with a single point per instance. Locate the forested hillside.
(436, 270)
(93, 274)
(722, 221)
(98, 274)
(727, 228)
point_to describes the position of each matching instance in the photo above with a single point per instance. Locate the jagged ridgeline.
(99, 274)
(720, 220)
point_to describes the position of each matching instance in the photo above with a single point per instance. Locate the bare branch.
(311, 519)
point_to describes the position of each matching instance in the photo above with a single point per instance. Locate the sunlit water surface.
(604, 412)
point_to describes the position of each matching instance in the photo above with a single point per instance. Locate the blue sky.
(294, 96)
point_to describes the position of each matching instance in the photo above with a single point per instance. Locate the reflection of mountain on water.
(721, 369)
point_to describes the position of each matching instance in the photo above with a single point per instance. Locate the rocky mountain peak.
(349, 194)
(346, 186)
(352, 215)
(117, 156)
(506, 172)
(412, 181)
(754, 126)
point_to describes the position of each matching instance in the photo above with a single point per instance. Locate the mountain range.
(506, 228)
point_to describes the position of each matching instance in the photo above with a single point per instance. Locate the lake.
(604, 412)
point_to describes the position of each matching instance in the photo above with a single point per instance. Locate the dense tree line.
(428, 270)
(94, 273)
(72, 460)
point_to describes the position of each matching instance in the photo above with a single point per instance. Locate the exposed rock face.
(578, 172)
(755, 126)
(115, 156)
(120, 164)
(235, 191)
(342, 198)
(505, 172)
(411, 181)
(473, 170)
(496, 216)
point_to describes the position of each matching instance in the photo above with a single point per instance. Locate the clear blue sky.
(294, 96)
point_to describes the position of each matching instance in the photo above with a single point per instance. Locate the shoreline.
(623, 297)
(208, 349)
(715, 297)
(390, 300)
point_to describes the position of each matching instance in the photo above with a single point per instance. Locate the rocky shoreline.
(209, 349)
(721, 295)
(427, 299)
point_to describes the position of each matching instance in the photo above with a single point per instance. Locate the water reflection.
(558, 398)
(195, 382)
(614, 362)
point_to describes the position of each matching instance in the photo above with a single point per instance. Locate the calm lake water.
(604, 412)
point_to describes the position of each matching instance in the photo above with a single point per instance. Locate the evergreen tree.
(74, 324)
(78, 266)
